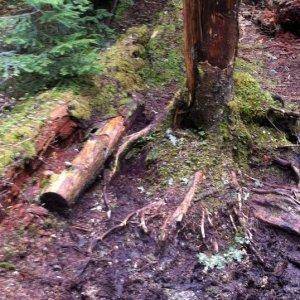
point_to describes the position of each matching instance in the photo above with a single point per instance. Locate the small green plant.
(220, 260)
(54, 39)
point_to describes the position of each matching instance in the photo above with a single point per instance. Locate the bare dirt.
(60, 257)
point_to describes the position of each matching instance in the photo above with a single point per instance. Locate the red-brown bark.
(211, 36)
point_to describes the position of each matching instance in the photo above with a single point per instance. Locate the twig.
(109, 174)
(202, 224)
(232, 222)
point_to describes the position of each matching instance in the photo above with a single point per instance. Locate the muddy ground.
(60, 257)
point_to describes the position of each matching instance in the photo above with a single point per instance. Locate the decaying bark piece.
(65, 189)
(182, 209)
(211, 36)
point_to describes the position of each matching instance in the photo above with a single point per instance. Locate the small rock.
(56, 268)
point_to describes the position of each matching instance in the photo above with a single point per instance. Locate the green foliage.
(122, 7)
(55, 39)
(220, 260)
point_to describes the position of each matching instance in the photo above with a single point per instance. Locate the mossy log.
(65, 189)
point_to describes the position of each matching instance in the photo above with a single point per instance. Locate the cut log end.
(54, 202)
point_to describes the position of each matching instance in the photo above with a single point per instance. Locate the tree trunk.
(211, 37)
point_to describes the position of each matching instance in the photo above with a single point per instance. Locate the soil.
(61, 257)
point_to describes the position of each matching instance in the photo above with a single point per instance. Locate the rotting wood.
(65, 189)
(211, 36)
(177, 216)
(58, 125)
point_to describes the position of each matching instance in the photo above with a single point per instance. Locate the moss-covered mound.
(164, 50)
(249, 128)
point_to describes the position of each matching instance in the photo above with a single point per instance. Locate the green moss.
(123, 60)
(248, 67)
(250, 101)
(164, 50)
(248, 111)
(7, 266)
(19, 128)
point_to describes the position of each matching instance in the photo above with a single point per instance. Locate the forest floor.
(49, 256)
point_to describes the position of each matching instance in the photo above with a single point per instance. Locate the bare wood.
(65, 189)
(183, 208)
(192, 38)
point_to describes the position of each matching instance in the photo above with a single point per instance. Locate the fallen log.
(182, 209)
(65, 189)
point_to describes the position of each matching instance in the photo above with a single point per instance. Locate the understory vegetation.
(50, 41)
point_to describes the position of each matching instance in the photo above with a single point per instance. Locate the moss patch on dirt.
(164, 50)
(178, 154)
(19, 128)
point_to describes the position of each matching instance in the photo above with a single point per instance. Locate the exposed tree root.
(182, 209)
(127, 142)
(275, 192)
(142, 212)
(277, 213)
(285, 113)
(287, 164)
